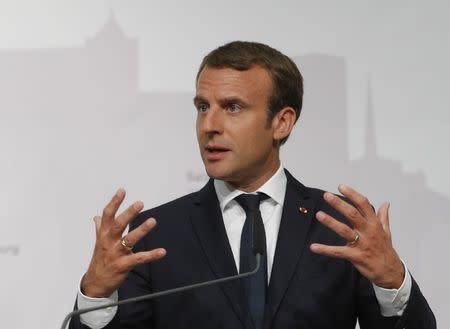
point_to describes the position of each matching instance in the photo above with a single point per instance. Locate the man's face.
(236, 142)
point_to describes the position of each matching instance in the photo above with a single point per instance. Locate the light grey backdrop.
(98, 95)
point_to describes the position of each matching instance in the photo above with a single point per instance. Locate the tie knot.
(250, 202)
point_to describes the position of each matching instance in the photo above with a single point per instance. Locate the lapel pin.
(303, 210)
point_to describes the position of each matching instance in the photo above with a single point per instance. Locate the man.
(328, 262)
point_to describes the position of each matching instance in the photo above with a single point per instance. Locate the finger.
(109, 212)
(360, 201)
(97, 221)
(342, 252)
(143, 257)
(340, 228)
(125, 218)
(383, 215)
(139, 232)
(346, 209)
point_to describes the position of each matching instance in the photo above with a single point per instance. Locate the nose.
(210, 122)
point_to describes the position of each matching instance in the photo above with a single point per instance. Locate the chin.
(216, 173)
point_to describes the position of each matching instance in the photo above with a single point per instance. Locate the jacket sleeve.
(417, 314)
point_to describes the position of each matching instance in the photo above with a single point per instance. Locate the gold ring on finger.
(355, 240)
(125, 244)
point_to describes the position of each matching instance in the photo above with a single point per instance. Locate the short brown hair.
(286, 78)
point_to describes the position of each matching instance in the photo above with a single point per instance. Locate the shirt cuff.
(393, 301)
(99, 318)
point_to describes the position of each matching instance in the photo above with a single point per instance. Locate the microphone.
(258, 249)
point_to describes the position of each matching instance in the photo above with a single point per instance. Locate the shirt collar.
(275, 188)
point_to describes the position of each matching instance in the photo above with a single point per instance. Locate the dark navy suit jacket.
(306, 290)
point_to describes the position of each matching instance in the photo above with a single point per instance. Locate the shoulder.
(314, 194)
(178, 210)
(169, 209)
(306, 192)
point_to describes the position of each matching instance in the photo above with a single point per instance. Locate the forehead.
(225, 82)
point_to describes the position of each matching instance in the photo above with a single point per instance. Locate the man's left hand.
(369, 243)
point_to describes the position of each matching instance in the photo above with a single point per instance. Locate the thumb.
(383, 216)
(97, 221)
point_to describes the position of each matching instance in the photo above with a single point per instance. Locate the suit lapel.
(208, 224)
(297, 214)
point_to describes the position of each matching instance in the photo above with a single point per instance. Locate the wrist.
(396, 278)
(89, 288)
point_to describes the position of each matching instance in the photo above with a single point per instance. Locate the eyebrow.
(199, 99)
(233, 100)
(227, 100)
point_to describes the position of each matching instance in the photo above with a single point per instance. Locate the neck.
(251, 184)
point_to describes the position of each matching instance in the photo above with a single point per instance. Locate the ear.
(283, 122)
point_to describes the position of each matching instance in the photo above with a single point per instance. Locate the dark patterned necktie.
(255, 286)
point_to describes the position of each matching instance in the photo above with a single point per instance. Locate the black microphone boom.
(259, 242)
(171, 291)
(163, 293)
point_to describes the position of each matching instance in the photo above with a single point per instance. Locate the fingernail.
(138, 205)
(328, 196)
(120, 191)
(313, 247)
(161, 252)
(320, 215)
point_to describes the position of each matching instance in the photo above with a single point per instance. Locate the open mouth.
(216, 149)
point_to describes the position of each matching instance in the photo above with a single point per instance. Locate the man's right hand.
(112, 260)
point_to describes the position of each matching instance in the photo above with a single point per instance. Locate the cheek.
(257, 142)
(249, 137)
(198, 129)
(259, 133)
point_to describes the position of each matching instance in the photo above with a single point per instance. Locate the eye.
(202, 108)
(233, 108)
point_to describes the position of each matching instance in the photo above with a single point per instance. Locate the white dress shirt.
(271, 211)
(392, 301)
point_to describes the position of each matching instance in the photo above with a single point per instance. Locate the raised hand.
(113, 257)
(369, 245)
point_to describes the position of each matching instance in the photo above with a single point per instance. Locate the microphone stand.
(164, 293)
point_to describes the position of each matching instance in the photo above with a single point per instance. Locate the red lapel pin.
(303, 210)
